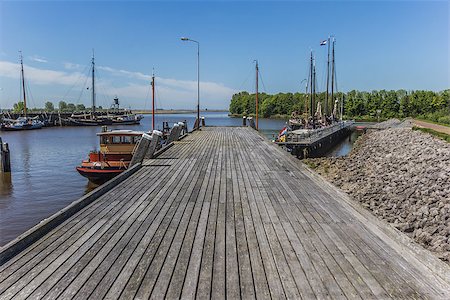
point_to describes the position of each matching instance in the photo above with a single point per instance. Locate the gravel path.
(403, 177)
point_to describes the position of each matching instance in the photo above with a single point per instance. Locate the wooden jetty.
(223, 213)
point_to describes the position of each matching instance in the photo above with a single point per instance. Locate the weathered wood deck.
(221, 214)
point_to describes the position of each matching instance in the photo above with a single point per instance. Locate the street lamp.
(198, 77)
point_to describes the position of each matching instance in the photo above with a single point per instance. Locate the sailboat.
(318, 114)
(25, 122)
(117, 148)
(89, 119)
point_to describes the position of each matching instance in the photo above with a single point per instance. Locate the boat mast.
(153, 100)
(23, 86)
(314, 82)
(311, 101)
(328, 77)
(257, 71)
(332, 74)
(93, 84)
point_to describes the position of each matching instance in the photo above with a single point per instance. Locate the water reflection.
(90, 186)
(6, 185)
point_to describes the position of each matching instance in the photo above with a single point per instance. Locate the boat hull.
(24, 127)
(134, 122)
(99, 176)
(88, 122)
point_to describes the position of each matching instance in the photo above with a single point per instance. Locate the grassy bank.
(440, 135)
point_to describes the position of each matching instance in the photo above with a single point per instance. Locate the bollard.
(154, 144)
(203, 121)
(173, 133)
(5, 159)
(141, 150)
(196, 124)
(186, 126)
(251, 122)
(182, 129)
(244, 121)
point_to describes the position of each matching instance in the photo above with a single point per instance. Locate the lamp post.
(198, 78)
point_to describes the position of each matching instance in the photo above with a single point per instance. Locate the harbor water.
(44, 180)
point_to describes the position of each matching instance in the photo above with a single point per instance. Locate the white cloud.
(38, 59)
(72, 66)
(134, 87)
(39, 76)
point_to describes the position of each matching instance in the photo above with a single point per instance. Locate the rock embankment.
(402, 176)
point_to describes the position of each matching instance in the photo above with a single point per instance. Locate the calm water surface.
(43, 178)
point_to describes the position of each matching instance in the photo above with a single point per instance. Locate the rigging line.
(262, 81)
(83, 88)
(76, 82)
(102, 89)
(28, 91)
(246, 79)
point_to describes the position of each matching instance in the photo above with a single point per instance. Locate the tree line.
(434, 106)
(50, 107)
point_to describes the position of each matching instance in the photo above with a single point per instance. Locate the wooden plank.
(96, 245)
(219, 265)
(185, 273)
(173, 236)
(207, 262)
(232, 284)
(192, 274)
(247, 286)
(27, 273)
(85, 259)
(23, 259)
(171, 278)
(174, 209)
(271, 270)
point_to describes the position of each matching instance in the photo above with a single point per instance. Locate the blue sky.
(380, 45)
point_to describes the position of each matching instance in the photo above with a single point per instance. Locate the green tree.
(18, 107)
(71, 107)
(62, 105)
(81, 107)
(49, 106)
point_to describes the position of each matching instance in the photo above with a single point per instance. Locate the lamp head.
(185, 39)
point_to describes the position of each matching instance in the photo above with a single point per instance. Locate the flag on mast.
(323, 43)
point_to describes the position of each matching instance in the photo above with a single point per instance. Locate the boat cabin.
(119, 141)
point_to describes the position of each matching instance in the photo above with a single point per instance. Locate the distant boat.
(123, 117)
(22, 123)
(88, 119)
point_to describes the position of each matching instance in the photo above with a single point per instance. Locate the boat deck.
(222, 214)
(306, 137)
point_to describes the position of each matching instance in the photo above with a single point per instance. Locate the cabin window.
(126, 139)
(104, 140)
(116, 139)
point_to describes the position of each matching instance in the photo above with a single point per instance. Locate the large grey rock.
(402, 176)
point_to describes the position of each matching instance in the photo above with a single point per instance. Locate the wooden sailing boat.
(116, 151)
(25, 122)
(89, 119)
